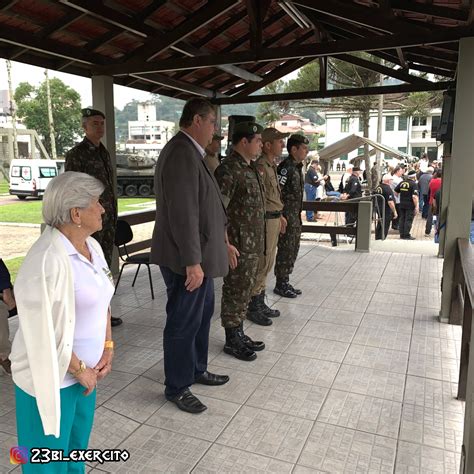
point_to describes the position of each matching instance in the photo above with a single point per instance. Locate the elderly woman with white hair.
(63, 346)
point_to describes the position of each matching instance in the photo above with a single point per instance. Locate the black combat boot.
(282, 288)
(250, 343)
(266, 310)
(294, 290)
(256, 314)
(235, 346)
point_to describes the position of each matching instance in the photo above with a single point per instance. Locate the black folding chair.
(124, 235)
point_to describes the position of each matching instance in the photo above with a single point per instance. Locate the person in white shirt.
(397, 174)
(63, 346)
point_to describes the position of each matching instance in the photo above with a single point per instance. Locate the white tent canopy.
(352, 142)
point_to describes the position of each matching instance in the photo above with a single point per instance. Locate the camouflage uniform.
(290, 177)
(95, 161)
(243, 195)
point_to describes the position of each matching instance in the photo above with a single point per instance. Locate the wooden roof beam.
(61, 24)
(430, 10)
(377, 90)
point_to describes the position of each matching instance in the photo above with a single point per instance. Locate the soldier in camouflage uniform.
(91, 157)
(290, 177)
(243, 195)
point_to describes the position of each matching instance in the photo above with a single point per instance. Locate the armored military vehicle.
(135, 173)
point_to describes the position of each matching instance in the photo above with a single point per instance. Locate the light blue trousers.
(77, 416)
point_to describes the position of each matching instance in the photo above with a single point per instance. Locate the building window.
(402, 123)
(417, 150)
(390, 123)
(432, 152)
(418, 121)
(361, 124)
(284, 124)
(403, 149)
(360, 151)
(344, 125)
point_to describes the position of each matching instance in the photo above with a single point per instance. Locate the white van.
(30, 177)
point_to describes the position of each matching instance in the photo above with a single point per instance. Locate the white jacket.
(42, 348)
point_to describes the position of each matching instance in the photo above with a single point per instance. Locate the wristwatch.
(82, 368)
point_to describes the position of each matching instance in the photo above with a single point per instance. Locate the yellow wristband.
(109, 345)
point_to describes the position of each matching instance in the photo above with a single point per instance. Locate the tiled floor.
(358, 376)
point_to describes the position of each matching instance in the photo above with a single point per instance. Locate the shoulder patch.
(283, 171)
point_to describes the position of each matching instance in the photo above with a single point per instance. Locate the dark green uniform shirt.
(290, 177)
(243, 195)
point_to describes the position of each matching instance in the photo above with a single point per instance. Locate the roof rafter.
(430, 9)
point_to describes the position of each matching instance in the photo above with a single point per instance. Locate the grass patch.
(4, 186)
(29, 211)
(13, 265)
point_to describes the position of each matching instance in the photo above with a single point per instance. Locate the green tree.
(66, 106)
(270, 112)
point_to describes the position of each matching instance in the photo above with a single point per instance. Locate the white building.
(410, 135)
(293, 123)
(148, 134)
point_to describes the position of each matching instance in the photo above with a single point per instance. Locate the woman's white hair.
(67, 191)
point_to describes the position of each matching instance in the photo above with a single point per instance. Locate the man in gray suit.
(189, 245)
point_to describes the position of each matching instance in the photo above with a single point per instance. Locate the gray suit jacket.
(190, 214)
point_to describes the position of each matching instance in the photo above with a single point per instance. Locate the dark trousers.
(395, 222)
(186, 334)
(429, 221)
(378, 230)
(406, 221)
(5, 282)
(310, 191)
(426, 206)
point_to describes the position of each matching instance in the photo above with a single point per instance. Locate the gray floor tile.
(397, 289)
(334, 332)
(434, 347)
(305, 369)
(289, 323)
(318, 348)
(336, 449)
(431, 427)
(381, 321)
(413, 458)
(397, 310)
(262, 365)
(431, 393)
(140, 336)
(8, 422)
(293, 310)
(136, 360)
(222, 459)
(112, 384)
(267, 433)
(288, 397)
(139, 400)
(7, 441)
(146, 317)
(361, 412)
(7, 395)
(307, 470)
(154, 450)
(377, 358)
(379, 337)
(275, 341)
(365, 381)
(432, 367)
(110, 429)
(334, 301)
(208, 425)
(429, 298)
(337, 316)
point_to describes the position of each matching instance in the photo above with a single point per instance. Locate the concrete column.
(444, 195)
(103, 100)
(461, 170)
(364, 224)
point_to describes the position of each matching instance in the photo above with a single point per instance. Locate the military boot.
(282, 288)
(266, 310)
(255, 313)
(294, 290)
(250, 343)
(235, 346)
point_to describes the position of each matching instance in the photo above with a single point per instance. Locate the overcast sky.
(35, 75)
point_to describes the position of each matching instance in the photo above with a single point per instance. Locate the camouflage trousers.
(106, 238)
(288, 247)
(236, 290)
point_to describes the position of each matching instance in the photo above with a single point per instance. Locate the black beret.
(88, 112)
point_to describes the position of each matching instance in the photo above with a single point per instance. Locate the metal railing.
(462, 313)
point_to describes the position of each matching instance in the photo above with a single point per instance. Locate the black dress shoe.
(207, 378)
(295, 290)
(116, 321)
(186, 401)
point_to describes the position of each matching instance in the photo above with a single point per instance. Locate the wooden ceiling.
(229, 49)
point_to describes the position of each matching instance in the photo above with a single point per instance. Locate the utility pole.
(50, 118)
(12, 109)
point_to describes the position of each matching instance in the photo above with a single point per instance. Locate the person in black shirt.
(408, 191)
(352, 190)
(385, 190)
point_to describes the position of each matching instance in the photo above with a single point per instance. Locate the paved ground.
(358, 376)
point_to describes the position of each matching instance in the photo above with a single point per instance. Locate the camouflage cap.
(271, 133)
(296, 139)
(88, 112)
(247, 128)
(216, 136)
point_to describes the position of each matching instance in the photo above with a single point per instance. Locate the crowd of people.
(237, 219)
